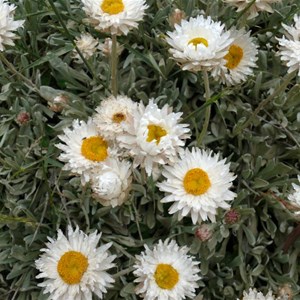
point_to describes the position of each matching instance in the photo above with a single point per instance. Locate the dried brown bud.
(285, 292)
(204, 232)
(59, 103)
(23, 118)
(176, 17)
(232, 216)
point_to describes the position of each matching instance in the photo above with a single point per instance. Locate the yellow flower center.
(155, 133)
(196, 182)
(118, 117)
(234, 56)
(199, 40)
(112, 7)
(71, 267)
(94, 148)
(166, 277)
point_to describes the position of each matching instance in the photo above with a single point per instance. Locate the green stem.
(123, 272)
(69, 36)
(207, 111)
(13, 70)
(241, 14)
(286, 80)
(114, 66)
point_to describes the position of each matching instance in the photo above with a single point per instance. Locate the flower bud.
(285, 292)
(176, 17)
(232, 216)
(204, 232)
(58, 103)
(23, 118)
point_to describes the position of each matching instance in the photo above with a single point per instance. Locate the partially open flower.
(87, 45)
(204, 232)
(176, 17)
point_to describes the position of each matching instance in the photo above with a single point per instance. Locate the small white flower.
(199, 44)
(112, 113)
(74, 267)
(258, 5)
(115, 16)
(240, 59)
(87, 46)
(253, 294)
(111, 183)
(198, 185)
(83, 149)
(154, 136)
(7, 24)
(295, 196)
(290, 46)
(166, 273)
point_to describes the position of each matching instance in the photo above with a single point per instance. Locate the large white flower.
(166, 273)
(240, 59)
(294, 197)
(253, 294)
(7, 24)
(112, 113)
(258, 5)
(116, 16)
(87, 46)
(74, 267)
(83, 149)
(153, 136)
(112, 182)
(199, 44)
(290, 46)
(198, 185)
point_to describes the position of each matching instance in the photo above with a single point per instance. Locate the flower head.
(294, 197)
(111, 183)
(198, 185)
(154, 136)
(166, 273)
(74, 267)
(258, 5)
(253, 294)
(7, 24)
(112, 113)
(239, 60)
(199, 43)
(232, 216)
(289, 49)
(83, 148)
(115, 16)
(204, 232)
(87, 46)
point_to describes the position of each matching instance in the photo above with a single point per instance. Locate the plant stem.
(286, 80)
(13, 70)
(114, 66)
(207, 110)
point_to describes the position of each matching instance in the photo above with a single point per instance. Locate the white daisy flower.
(253, 294)
(153, 136)
(112, 113)
(198, 185)
(87, 46)
(295, 196)
(111, 183)
(83, 149)
(258, 5)
(199, 44)
(7, 24)
(290, 46)
(240, 59)
(74, 267)
(166, 273)
(115, 16)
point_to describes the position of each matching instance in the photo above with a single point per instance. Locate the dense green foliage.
(37, 197)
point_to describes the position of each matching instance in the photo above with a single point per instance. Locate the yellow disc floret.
(118, 117)
(234, 56)
(155, 132)
(196, 182)
(199, 40)
(166, 277)
(94, 148)
(112, 7)
(71, 267)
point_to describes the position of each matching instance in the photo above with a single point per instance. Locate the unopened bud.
(59, 102)
(176, 17)
(107, 46)
(285, 292)
(23, 118)
(204, 232)
(232, 216)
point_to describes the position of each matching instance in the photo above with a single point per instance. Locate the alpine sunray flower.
(253, 294)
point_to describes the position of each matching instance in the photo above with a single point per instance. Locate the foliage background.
(37, 198)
